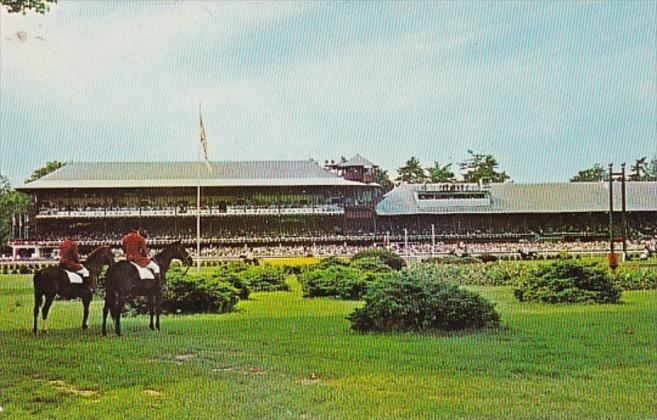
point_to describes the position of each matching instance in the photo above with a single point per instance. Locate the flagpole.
(198, 203)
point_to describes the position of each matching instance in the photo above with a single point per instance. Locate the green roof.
(187, 174)
(527, 198)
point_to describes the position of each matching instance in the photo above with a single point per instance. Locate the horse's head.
(179, 251)
(99, 257)
(107, 256)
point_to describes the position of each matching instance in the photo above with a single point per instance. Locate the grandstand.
(556, 211)
(242, 202)
(303, 205)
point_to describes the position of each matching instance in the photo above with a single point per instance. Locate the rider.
(69, 259)
(134, 247)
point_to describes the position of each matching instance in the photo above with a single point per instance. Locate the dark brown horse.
(53, 281)
(123, 282)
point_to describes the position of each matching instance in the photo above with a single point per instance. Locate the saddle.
(74, 278)
(144, 273)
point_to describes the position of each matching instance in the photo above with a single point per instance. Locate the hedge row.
(217, 291)
(342, 279)
(23, 268)
(568, 281)
(417, 300)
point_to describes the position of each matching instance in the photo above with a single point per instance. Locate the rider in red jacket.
(134, 247)
(69, 259)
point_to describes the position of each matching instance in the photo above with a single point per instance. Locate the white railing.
(95, 213)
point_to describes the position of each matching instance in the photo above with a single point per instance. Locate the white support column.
(406, 250)
(433, 240)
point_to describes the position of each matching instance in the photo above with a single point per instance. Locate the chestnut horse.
(53, 281)
(123, 282)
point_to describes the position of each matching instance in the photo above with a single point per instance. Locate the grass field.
(283, 356)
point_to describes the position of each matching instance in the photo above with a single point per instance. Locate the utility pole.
(612, 259)
(623, 212)
(611, 209)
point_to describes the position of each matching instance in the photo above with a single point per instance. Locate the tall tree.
(441, 173)
(383, 179)
(482, 167)
(11, 202)
(594, 174)
(5, 186)
(638, 170)
(651, 170)
(412, 172)
(45, 170)
(22, 6)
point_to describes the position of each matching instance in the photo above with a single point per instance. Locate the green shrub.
(372, 265)
(388, 258)
(637, 278)
(191, 293)
(338, 282)
(232, 278)
(416, 301)
(328, 263)
(569, 281)
(24, 269)
(478, 274)
(259, 278)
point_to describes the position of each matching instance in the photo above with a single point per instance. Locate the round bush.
(638, 278)
(191, 293)
(388, 258)
(413, 301)
(372, 265)
(337, 282)
(232, 278)
(262, 278)
(567, 281)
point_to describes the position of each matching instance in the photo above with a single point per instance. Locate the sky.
(547, 88)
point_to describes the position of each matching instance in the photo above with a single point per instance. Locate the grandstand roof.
(527, 198)
(186, 174)
(358, 160)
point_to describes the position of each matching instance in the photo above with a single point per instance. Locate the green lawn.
(282, 356)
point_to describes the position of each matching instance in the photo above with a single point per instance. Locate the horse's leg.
(109, 304)
(45, 310)
(38, 301)
(151, 307)
(86, 300)
(116, 313)
(158, 308)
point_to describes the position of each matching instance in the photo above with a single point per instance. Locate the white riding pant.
(153, 267)
(83, 272)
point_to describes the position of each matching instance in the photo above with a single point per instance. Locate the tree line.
(13, 202)
(478, 167)
(641, 170)
(482, 167)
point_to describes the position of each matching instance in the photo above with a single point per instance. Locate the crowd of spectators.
(412, 249)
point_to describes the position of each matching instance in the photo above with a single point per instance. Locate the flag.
(204, 143)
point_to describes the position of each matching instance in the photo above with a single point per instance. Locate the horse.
(123, 281)
(53, 281)
(527, 255)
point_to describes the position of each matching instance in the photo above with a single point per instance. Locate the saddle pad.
(74, 278)
(144, 273)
